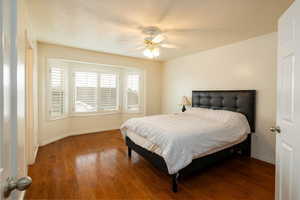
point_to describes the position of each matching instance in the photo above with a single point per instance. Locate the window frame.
(141, 94)
(63, 66)
(118, 84)
(72, 91)
(71, 66)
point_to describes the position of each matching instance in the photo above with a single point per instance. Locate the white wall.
(52, 130)
(249, 64)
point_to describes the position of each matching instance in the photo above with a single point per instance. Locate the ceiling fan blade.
(140, 47)
(165, 10)
(110, 15)
(134, 50)
(130, 41)
(159, 38)
(169, 46)
(190, 30)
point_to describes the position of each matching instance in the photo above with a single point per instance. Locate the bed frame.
(242, 101)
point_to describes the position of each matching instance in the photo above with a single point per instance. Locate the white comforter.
(183, 136)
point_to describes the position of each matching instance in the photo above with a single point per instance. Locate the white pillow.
(197, 111)
(223, 116)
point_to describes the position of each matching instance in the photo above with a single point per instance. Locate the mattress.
(146, 144)
(180, 138)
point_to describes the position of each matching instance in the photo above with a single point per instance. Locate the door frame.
(29, 107)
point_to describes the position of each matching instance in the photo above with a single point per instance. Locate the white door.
(5, 136)
(288, 106)
(11, 99)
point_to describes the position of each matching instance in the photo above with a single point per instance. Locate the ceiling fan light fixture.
(151, 52)
(155, 52)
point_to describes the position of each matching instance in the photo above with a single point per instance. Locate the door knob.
(19, 184)
(275, 129)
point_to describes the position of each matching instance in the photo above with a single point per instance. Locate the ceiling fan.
(153, 37)
(155, 40)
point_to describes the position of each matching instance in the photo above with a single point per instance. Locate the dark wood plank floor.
(96, 166)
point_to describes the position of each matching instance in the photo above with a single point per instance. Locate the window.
(108, 92)
(85, 94)
(95, 92)
(57, 89)
(133, 92)
(87, 88)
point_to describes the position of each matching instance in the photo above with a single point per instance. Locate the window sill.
(132, 112)
(77, 115)
(94, 114)
(57, 118)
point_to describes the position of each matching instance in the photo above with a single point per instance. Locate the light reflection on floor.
(96, 166)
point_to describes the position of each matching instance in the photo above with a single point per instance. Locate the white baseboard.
(81, 132)
(33, 159)
(35, 153)
(50, 140)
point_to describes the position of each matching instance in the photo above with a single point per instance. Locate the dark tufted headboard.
(242, 101)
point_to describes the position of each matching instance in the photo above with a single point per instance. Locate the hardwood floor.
(96, 166)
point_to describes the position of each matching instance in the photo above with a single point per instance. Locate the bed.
(218, 125)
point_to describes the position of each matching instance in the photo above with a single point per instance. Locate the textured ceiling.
(113, 26)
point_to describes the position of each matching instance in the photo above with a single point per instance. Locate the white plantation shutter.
(133, 92)
(57, 92)
(85, 94)
(93, 89)
(108, 91)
